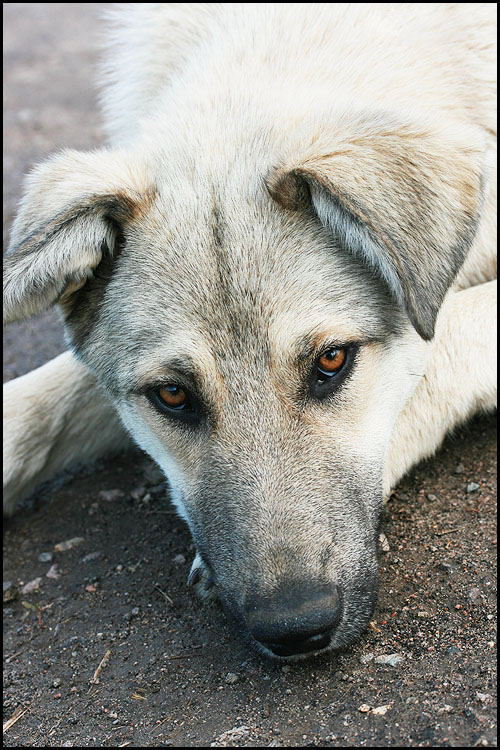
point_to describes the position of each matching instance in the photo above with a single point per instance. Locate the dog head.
(259, 323)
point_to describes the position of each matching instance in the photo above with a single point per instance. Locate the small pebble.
(31, 586)
(390, 660)
(10, 591)
(364, 708)
(484, 697)
(232, 678)
(45, 557)
(232, 738)
(459, 469)
(68, 544)
(384, 544)
(365, 658)
(53, 572)
(380, 711)
(473, 487)
(90, 556)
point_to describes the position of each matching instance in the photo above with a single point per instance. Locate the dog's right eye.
(172, 396)
(173, 400)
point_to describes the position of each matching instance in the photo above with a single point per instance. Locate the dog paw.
(201, 578)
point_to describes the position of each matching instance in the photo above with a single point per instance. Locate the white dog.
(280, 275)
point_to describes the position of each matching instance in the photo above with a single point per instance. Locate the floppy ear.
(405, 198)
(72, 212)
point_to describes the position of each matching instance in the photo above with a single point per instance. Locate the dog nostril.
(296, 621)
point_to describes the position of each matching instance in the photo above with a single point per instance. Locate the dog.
(278, 279)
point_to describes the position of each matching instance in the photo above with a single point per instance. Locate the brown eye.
(176, 403)
(172, 396)
(331, 362)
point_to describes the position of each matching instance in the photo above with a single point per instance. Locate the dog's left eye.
(331, 369)
(331, 363)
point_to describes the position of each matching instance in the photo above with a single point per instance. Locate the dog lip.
(315, 643)
(267, 651)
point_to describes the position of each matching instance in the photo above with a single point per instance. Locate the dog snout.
(295, 621)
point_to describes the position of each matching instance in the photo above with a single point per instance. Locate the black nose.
(295, 620)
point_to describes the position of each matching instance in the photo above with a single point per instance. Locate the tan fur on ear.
(288, 189)
(70, 290)
(71, 211)
(402, 196)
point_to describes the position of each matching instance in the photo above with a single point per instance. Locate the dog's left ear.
(404, 198)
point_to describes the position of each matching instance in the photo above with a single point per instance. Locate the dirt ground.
(104, 643)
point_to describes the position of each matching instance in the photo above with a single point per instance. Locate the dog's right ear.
(73, 210)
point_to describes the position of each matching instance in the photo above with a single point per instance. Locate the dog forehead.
(242, 283)
(228, 263)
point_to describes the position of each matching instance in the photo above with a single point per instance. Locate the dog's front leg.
(460, 379)
(54, 416)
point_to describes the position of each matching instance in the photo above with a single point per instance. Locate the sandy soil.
(111, 648)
